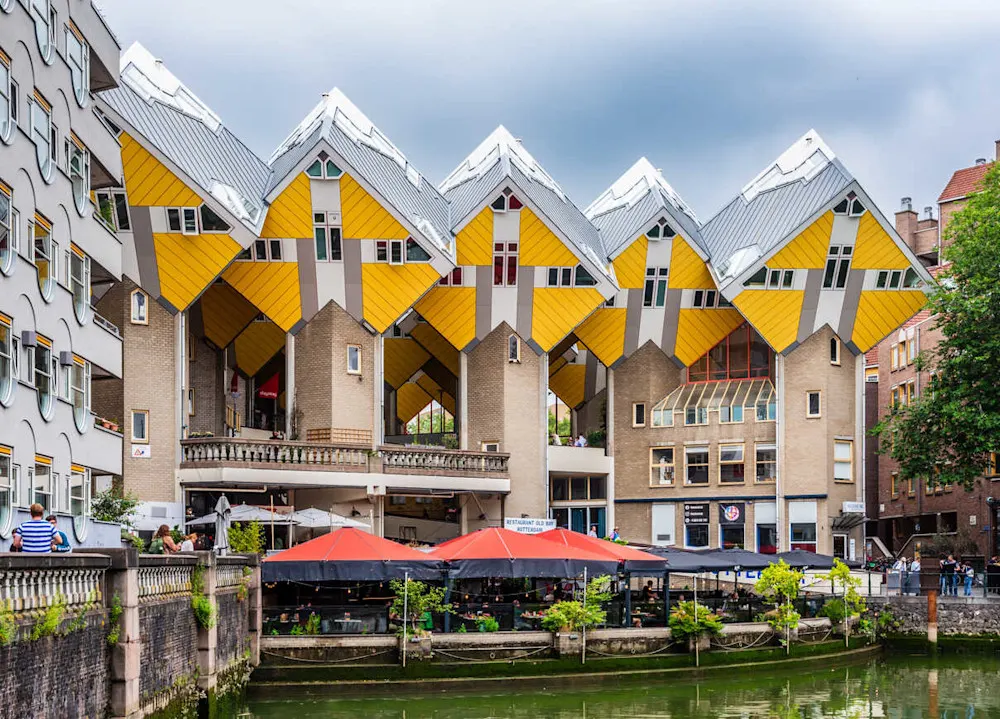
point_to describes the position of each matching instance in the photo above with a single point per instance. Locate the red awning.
(269, 390)
(496, 552)
(634, 559)
(349, 554)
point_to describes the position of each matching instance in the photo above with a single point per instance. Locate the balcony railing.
(106, 325)
(285, 454)
(453, 462)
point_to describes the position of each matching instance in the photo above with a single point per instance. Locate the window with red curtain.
(504, 264)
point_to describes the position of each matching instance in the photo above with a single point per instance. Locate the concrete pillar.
(208, 639)
(122, 585)
(463, 401)
(256, 614)
(463, 514)
(781, 515)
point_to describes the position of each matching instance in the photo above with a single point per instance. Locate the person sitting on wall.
(62, 546)
(36, 535)
(555, 441)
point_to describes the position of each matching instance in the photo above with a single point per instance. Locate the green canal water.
(897, 687)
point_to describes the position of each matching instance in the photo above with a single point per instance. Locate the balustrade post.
(123, 586)
(208, 639)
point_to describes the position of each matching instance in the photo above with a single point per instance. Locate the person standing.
(163, 542)
(950, 572)
(36, 535)
(942, 577)
(593, 531)
(63, 544)
(915, 575)
(969, 575)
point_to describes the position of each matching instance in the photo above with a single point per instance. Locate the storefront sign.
(528, 525)
(853, 508)
(141, 451)
(732, 513)
(696, 513)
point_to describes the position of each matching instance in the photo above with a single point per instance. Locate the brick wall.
(326, 395)
(234, 615)
(169, 644)
(208, 381)
(64, 676)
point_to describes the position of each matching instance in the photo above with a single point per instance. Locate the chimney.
(980, 160)
(929, 212)
(906, 221)
(996, 149)
(906, 205)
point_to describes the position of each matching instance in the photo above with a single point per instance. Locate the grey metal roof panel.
(206, 156)
(284, 164)
(466, 197)
(771, 215)
(623, 224)
(413, 200)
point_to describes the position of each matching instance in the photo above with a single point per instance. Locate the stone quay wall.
(114, 633)
(964, 615)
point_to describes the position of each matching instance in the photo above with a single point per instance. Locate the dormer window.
(507, 201)
(661, 230)
(324, 169)
(850, 205)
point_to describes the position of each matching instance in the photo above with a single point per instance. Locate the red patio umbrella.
(349, 554)
(496, 552)
(634, 560)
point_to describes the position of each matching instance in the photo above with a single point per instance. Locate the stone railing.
(32, 582)
(165, 577)
(215, 451)
(391, 459)
(229, 572)
(421, 460)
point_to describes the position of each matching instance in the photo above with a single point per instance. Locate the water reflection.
(896, 688)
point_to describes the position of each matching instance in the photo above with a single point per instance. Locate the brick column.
(123, 583)
(255, 610)
(208, 638)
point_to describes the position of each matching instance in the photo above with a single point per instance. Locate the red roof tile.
(964, 182)
(871, 357)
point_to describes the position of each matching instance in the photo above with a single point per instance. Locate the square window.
(559, 487)
(696, 536)
(353, 359)
(189, 216)
(578, 487)
(173, 219)
(696, 461)
(766, 462)
(731, 464)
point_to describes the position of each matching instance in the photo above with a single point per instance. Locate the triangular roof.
(770, 207)
(964, 182)
(338, 122)
(501, 157)
(188, 133)
(636, 199)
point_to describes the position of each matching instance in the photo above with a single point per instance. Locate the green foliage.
(247, 538)
(450, 441)
(887, 623)
(297, 631)
(574, 615)
(948, 432)
(596, 438)
(8, 625)
(487, 624)
(783, 617)
(51, 619)
(779, 584)
(419, 598)
(80, 621)
(106, 212)
(114, 619)
(462, 629)
(243, 590)
(563, 428)
(205, 611)
(113, 505)
(834, 609)
(430, 422)
(313, 623)
(134, 539)
(854, 603)
(686, 622)
(177, 535)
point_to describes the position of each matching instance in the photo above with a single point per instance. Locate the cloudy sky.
(904, 91)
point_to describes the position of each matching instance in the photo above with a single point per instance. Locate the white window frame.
(506, 255)
(325, 172)
(637, 408)
(688, 451)
(78, 59)
(254, 253)
(110, 199)
(708, 300)
(513, 348)
(731, 447)
(7, 488)
(42, 137)
(8, 224)
(838, 267)
(46, 398)
(396, 247)
(452, 279)
(835, 351)
(661, 230)
(41, 13)
(80, 374)
(79, 499)
(7, 98)
(78, 269)
(819, 402)
(354, 367)
(503, 200)
(322, 221)
(491, 446)
(662, 474)
(767, 447)
(655, 286)
(143, 314)
(7, 360)
(144, 437)
(34, 490)
(190, 221)
(849, 462)
(76, 151)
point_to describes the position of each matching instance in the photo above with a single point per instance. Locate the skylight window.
(506, 201)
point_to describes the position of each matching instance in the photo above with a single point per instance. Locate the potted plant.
(695, 624)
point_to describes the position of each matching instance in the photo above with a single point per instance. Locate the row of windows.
(570, 277)
(771, 279)
(903, 394)
(991, 471)
(802, 535)
(903, 353)
(731, 465)
(31, 359)
(39, 484)
(195, 221)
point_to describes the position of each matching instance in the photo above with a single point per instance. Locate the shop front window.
(733, 536)
(767, 538)
(803, 536)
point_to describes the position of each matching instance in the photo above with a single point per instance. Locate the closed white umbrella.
(313, 518)
(246, 513)
(222, 516)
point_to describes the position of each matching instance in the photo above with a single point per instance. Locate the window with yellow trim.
(894, 484)
(661, 466)
(843, 460)
(992, 468)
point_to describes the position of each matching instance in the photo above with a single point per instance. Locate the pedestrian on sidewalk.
(970, 574)
(915, 575)
(950, 573)
(942, 576)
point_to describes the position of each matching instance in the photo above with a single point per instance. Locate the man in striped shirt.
(36, 535)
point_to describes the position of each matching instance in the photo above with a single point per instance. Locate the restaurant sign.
(528, 525)
(732, 513)
(696, 513)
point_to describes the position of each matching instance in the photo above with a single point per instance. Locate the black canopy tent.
(803, 559)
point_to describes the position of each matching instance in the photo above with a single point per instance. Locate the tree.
(418, 598)
(247, 538)
(947, 434)
(575, 615)
(779, 584)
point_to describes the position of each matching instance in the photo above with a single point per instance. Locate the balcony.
(579, 460)
(220, 461)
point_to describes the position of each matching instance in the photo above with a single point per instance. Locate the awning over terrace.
(497, 552)
(803, 559)
(679, 560)
(632, 560)
(740, 559)
(349, 554)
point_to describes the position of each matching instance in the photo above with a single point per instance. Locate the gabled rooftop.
(501, 156)
(358, 140)
(186, 130)
(635, 199)
(964, 182)
(786, 193)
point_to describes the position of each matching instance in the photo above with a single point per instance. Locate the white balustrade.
(228, 575)
(165, 580)
(24, 590)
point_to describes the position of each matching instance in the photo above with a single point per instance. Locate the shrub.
(114, 505)
(114, 616)
(419, 598)
(247, 538)
(313, 623)
(204, 610)
(8, 625)
(297, 631)
(686, 622)
(462, 629)
(50, 621)
(834, 609)
(487, 624)
(577, 615)
(779, 584)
